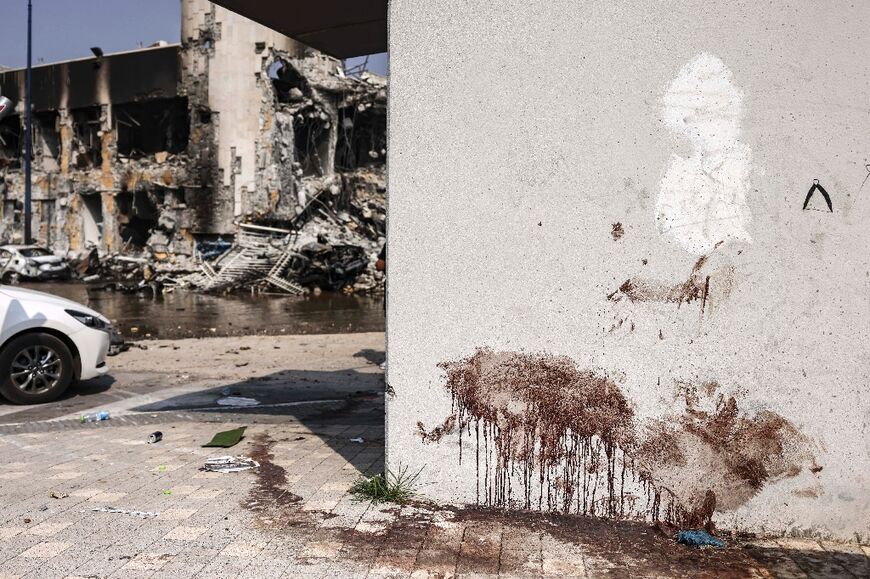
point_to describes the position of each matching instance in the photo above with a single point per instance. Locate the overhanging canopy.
(340, 28)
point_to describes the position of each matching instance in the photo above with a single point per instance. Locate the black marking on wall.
(817, 187)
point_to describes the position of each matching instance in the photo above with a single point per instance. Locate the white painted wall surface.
(520, 132)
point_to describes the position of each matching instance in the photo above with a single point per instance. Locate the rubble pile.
(154, 186)
(268, 259)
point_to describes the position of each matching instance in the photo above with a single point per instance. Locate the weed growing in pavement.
(387, 488)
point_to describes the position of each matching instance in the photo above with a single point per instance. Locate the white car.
(47, 343)
(31, 262)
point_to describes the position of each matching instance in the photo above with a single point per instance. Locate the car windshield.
(34, 252)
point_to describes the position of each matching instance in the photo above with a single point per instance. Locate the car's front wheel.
(35, 368)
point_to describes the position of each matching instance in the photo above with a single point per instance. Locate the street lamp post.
(28, 127)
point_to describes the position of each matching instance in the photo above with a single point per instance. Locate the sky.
(67, 29)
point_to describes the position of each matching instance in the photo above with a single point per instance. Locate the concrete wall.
(599, 253)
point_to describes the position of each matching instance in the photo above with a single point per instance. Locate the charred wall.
(103, 132)
(221, 129)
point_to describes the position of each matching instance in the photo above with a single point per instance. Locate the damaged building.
(161, 151)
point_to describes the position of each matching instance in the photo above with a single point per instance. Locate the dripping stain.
(551, 436)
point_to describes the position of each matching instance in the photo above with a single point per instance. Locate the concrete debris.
(144, 179)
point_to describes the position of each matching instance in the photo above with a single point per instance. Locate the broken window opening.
(92, 220)
(160, 125)
(139, 215)
(290, 86)
(46, 137)
(362, 137)
(311, 141)
(13, 208)
(11, 142)
(87, 144)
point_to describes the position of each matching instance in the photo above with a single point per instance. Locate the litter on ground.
(240, 401)
(227, 438)
(115, 510)
(699, 539)
(227, 464)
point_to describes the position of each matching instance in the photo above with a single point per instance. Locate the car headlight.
(89, 320)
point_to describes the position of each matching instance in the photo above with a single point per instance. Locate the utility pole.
(28, 128)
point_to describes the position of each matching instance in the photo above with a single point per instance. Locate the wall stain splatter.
(546, 422)
(568, 440)
(617, 231)
(644, 290)
(715, 456)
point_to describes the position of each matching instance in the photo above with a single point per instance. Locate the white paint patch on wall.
(702, 199)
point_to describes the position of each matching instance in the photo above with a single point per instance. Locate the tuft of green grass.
(389, 487)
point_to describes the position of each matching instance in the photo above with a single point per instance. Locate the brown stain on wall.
(571, 440)
(560, 428)
(644, 290)
(713, 456)
(617, 231)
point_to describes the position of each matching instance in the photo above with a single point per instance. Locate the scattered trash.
(227, 438)
(155, 437)
(237, 401)
(358, 440)
(699, 539)
(94, 417)
(167, 492)
(227, 464)
(115, 510)
(57, 495)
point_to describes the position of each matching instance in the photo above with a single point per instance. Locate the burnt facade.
(160, 148)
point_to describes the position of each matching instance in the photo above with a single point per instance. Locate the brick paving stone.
(205, 529)
(46, 550)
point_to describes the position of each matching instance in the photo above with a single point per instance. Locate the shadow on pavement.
(334, 405)
(76, 397)
(376, 357)
(814, 563)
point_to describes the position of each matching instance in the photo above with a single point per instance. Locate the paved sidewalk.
(293, 517)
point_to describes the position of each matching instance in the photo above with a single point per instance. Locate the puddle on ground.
(190, 315)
